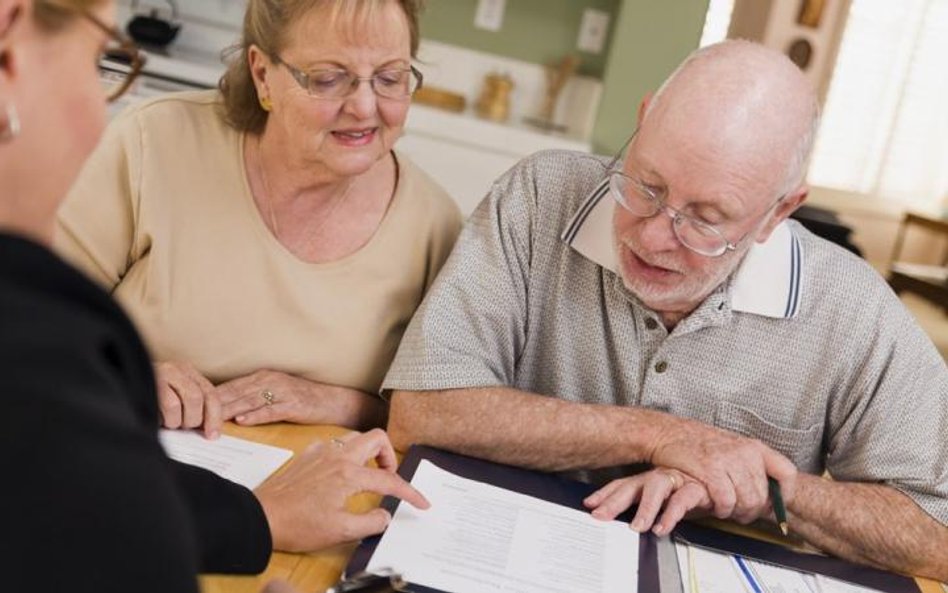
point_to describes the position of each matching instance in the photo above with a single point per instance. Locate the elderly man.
(662, 309)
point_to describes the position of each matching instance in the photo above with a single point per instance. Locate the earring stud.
(10, 127)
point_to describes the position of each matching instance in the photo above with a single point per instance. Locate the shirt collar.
(768, 281)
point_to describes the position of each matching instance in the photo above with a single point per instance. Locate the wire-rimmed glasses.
(642, 201)
(334, 84)
(120, 61)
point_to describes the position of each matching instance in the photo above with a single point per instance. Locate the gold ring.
(268, 397)
(673, 479)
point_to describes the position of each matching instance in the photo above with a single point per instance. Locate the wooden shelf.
(929, 281)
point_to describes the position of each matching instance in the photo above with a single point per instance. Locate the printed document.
(477, 538)
(708, 571)
(239, 460)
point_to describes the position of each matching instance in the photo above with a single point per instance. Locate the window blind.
(885, 121)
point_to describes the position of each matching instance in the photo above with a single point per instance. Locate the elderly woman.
(266, 239)
(91, 502)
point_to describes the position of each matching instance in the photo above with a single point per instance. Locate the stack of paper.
(477, 537)
(245, 462)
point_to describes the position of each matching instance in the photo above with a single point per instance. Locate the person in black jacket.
(89, 500)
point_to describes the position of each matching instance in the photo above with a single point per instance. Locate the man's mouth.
(641, 267)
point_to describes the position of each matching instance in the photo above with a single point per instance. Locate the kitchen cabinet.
(466, 154)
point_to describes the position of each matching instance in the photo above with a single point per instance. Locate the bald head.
(742, 100)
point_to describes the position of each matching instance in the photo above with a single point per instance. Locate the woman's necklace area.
(267, 199)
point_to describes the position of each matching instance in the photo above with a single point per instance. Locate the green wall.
(537, 31)
(649, 39)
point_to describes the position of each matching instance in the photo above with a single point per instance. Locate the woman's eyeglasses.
(120, 61)
(393, 83)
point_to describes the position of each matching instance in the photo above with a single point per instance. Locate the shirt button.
(661, 367)
(650, 323)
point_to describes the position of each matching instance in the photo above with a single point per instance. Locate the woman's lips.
(355, 137)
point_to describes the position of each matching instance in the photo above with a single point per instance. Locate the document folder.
(654, 577)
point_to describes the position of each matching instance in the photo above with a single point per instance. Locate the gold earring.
(266, 104)
(10, 125)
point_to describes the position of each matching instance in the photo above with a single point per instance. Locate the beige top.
(162, 215)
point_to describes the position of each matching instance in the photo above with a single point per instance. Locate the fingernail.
(638, 525)
(240, 419)
(658, 530)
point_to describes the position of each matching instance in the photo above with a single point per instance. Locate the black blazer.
(89, 501)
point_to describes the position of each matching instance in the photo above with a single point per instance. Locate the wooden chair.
(928, 281)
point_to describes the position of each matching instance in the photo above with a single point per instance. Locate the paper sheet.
(477, 538)
(239, 460)
(707, 571)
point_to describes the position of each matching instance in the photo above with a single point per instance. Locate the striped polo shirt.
(804, 347)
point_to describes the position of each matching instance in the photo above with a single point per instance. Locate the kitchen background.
(881, 149)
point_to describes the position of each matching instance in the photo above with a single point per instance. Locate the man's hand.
(306, 504)
(677, 492)
(187, 399)
(732, 468)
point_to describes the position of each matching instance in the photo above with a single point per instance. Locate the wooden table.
(313, 573)
(310, 573)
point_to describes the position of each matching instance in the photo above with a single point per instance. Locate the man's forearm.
(525, 429)
(870, 523)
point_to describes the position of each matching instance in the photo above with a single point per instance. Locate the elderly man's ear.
(784, 209)
(643, 107)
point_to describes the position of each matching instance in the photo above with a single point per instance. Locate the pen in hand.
(780, 511)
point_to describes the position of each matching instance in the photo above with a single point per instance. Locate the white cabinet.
(466, 154)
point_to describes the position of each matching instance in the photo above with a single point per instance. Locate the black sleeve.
(232, 530)
(87, 500)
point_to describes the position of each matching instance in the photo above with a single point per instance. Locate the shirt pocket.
(802, 446)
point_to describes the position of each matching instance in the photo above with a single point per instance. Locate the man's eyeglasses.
(394, 83)
(643, 201)
(120, 61)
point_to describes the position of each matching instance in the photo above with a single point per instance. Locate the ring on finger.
(673, 479)
(268, 397)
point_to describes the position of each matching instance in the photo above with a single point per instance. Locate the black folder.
(570, 493)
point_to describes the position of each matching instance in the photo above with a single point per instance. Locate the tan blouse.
(163, 217)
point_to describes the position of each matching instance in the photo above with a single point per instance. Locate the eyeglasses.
(120, 61)
(395, 83)
(643, 201)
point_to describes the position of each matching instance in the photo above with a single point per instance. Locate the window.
(885, 120)
(716, 21)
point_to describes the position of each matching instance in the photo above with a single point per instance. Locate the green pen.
(779, 509)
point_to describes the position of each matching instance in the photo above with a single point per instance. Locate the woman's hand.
(674, 490)
(187, 399)
(306, 504)
(271, 396)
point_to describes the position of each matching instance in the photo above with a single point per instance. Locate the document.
(707, 571)
(239, 460)
(479, 538)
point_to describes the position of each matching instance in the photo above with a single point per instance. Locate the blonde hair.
(53, 15)
(266, 25)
